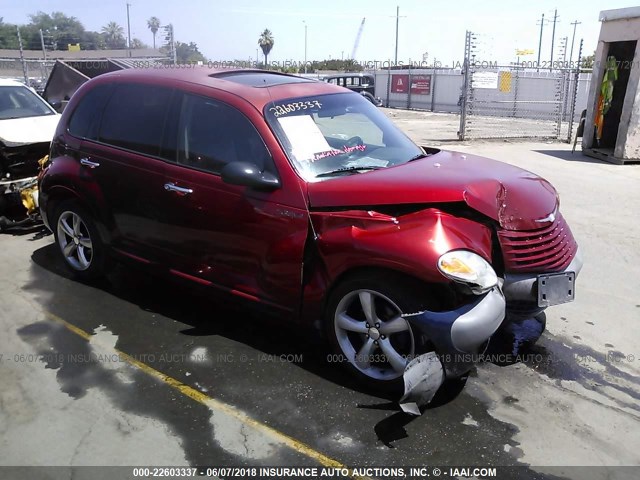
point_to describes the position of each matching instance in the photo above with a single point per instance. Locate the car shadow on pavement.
(146, 312)
(264, 331)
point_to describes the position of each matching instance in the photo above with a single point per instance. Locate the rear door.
(241, 239)
(122, 156)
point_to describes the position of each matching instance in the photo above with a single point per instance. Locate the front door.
(231, 236)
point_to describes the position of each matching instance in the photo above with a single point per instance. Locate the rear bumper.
(461, 333)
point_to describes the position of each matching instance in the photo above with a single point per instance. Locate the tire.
(79, 241)
(376, 363)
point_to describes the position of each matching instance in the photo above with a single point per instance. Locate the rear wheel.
(365, 327)
(79, 242)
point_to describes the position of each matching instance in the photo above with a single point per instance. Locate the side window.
(85, 118)
(212, 134)
(134, 118)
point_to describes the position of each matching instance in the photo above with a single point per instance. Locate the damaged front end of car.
(19, 186)
(452, 254)
(486, 273)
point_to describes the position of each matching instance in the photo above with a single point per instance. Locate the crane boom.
(357, 42)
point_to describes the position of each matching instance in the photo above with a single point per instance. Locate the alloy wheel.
(74, 240)
(372, 334)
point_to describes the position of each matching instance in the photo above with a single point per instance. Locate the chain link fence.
(513, 101)
(34, 72)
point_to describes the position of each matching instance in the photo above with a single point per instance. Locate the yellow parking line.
(214, 404)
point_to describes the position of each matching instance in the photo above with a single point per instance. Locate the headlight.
(469, 268)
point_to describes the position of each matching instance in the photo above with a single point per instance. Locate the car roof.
(5, 82)
(258, 87)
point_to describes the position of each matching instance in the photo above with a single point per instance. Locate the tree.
(188, 53)
(154, 25)
(8, 36)
(137, 44)
(58, 29)
(266, 42)
(114, 35)
(587, 62)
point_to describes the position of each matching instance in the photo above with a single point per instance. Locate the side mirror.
(249, 175)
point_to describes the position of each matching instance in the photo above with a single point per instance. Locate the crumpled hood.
(23, 131)
(510, 195)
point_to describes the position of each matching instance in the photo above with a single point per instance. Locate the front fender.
(410, 243)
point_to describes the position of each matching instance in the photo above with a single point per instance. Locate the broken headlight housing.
(468, 268)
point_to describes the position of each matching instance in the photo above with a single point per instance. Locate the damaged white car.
(27, 125)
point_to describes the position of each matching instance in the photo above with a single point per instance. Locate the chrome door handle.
(172, 187)
(88, 163)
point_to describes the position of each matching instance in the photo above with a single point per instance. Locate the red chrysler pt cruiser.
(303, 197)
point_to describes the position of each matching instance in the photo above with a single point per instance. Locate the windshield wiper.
(418, 157)
(340, 171)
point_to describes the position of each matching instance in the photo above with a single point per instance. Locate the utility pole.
(171, 43)
(128, 29)
(542, 20)
(573, 38)
(565, 42)
(553, 34)
(24, 64)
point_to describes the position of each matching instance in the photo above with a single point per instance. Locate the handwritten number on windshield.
(284, 109)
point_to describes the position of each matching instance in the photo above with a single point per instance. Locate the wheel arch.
(61, 194)
(316, 295)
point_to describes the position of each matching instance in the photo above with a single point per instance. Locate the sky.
(225, 30)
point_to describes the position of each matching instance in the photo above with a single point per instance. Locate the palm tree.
(113, 34)
(154, 24)
(266, 42)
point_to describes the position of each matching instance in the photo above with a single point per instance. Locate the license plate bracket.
(556, 288)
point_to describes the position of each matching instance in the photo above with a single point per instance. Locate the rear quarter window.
(86, 117)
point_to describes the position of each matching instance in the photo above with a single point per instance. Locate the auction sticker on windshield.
(305, 136)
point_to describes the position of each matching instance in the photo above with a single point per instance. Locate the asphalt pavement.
(139, 370)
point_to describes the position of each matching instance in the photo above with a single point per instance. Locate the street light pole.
(305, 46)
(397, 22)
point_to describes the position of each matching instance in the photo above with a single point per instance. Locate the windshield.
(326, 136)
(19, 102)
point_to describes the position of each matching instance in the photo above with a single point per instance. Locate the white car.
(27, 126)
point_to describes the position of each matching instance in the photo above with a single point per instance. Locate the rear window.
(134, 118)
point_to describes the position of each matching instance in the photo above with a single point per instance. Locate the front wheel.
(365, 327)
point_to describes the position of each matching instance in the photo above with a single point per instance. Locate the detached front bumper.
(460, 334)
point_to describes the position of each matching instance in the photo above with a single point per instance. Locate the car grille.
(548, 249)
